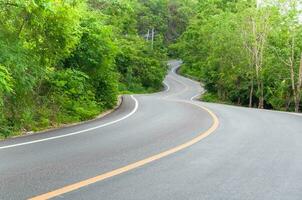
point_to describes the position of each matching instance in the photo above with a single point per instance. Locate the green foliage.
(6, 82)
(34, 35)
(120, 14)
(169, 18)
(140, 67)
(6, 85)
(71, 95)
(95, 55)
(245, 54)
(66, 61)
(209, 97)
(153, 14)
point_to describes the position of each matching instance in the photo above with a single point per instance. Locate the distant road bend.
(161, 146)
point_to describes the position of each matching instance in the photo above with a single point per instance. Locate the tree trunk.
(287, 102)
(251, 94)
(297, 104)
(261, 97)
(239, 101)
(299, 86)
(292, 79)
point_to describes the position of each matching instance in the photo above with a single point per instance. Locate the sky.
(285, 4)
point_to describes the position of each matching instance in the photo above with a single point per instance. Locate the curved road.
(161, 146)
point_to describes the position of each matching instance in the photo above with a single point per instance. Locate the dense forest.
(67, 61)
(246, 52)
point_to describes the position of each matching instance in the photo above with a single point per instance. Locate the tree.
(246, 52)
(286, 46)
(255, 32)
(95, 55)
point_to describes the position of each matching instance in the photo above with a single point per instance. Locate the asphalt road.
(252, 154)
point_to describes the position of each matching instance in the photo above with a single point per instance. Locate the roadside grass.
(49, 119)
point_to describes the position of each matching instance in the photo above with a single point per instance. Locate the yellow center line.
(132, 166)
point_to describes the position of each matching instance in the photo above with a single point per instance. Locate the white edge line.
(77, 132)
(184, 90)
(174, 69)
(174, 72)
(278, 111)
(167, 87)
(192, 98)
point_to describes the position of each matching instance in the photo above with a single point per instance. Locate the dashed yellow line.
(132, 166)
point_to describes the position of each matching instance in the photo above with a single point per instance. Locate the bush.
(72, 95)
(210, 97)
(95, 56)
(140, 67)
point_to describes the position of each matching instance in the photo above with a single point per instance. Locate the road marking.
(278, 111)
(197, 95)
(183, 77)
(193, 97)
(77, 132)
(84, 183)
(167, 87)
(180, 92)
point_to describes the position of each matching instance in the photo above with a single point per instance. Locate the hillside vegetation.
(246, 53)
(66, 61)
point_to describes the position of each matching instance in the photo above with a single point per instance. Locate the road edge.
(99, 116)
(135, 165)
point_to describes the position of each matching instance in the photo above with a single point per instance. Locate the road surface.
(161, 146)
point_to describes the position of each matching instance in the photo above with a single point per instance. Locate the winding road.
(164, 146)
